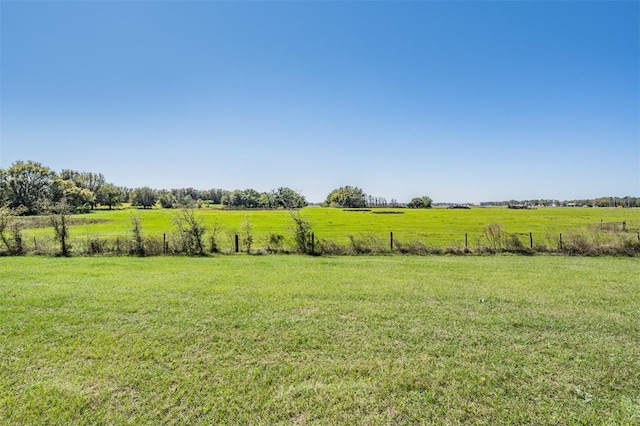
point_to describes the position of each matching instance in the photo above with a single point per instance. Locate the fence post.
(117, 245)
(35, 244)
(560, 242)
(530, 240)
(466, 240)
(164, 243)
(624, 225)
(313, 243)
(391, 241)
(237, 244)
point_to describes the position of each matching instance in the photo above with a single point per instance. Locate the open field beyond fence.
(337, 231)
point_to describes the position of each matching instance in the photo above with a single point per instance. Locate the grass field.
(329, 340)
(434, 227)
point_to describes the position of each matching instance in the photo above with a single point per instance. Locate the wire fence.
(596, 240)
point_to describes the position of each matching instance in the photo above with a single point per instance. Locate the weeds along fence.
(590, 241)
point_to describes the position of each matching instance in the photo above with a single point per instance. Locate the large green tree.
(110, 195)
(346, 196)
(92, 182)
(248, 198)
(79, 199)
(144, 197)
(288, 198)
(27, 186)
(423, 202)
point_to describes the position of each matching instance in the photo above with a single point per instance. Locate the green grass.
(435, 227)
(303, 340)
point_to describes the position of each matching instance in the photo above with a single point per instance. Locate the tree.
(59, 219)
(214, 195)
(79, 199)
(423, 202)
(249, 198)
(92, 182)
(167, 199)
(145, 197)
(302, 232)
(27, 185)
(11, 231)
(110, 195)
(136, 234)
(190, 232)
(289, 199)
(346, 197)
(267, 200)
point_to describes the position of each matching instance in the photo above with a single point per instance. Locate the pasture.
(319, 340)
(435, 227)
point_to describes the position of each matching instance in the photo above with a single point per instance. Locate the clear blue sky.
(461, 101)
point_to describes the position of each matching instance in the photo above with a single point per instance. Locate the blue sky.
(461, 101)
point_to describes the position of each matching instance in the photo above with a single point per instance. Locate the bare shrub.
(153, 246)
(580, 243)
(494, 235)
(214, 236)
(231, 239)
(96, 246)
(11, 232)
(541, 248)
(330, 247)
(368, 244)
(45, 245)
(629, 247)
(275, 243)
(513, 244)
(456, 251)
(411, 247)
(247, 235)
(59, 219)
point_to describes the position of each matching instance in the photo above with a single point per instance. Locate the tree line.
(30, 188)
(626, 201)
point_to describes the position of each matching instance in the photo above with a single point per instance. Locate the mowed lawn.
(304, 340)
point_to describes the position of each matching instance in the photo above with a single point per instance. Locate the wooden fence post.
(530, 240)
(313, 243)
(391, 241)
(237, 244)
(164, 243)
(35, 244)
(117, 245)
(466, 240)
(560, 242)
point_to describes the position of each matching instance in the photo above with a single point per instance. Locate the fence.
(613, 226)
(586, 242)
